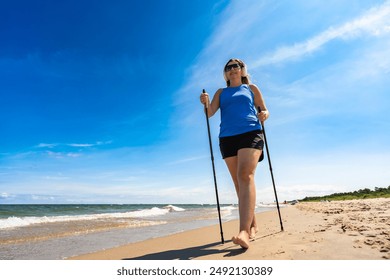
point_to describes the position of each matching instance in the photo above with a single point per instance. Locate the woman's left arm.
(259, 102)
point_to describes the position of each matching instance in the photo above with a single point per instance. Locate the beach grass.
(365, 193)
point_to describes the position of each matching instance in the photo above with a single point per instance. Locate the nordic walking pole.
(272, 174)
(212, 163)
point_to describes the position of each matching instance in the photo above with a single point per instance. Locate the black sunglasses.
(232, 66)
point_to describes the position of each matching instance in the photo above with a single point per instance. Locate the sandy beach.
(337, 230)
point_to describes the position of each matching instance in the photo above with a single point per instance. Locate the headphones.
(244, 73)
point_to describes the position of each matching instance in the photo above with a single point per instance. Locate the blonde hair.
(244, 74)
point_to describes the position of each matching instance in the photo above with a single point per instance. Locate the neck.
(235, 83)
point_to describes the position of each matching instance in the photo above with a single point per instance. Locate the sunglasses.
(232, 66)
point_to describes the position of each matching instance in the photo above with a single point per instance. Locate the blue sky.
(100, 99)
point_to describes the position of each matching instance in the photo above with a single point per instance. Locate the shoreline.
(97, 227)
(337, 230)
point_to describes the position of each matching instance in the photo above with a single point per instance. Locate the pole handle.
(206, 105)
(259, 109)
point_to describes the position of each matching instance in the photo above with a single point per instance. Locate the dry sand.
(345, 230)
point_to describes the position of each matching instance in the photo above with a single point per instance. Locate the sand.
(344, 230)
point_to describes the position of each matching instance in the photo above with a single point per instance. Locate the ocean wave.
(227, 211)
(14, 222)
(269, 205)
(172, 208)
(155, 211)
(229, 208)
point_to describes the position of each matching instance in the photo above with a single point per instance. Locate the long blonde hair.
(244, 73)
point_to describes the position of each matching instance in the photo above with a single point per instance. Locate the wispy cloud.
(46, 145)
(375, 22)
(4, 195)
(189, 159)
(56, 150)
(75, 145)
(81, 145)
(59, 155)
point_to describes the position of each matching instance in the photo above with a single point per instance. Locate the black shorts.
(230, 145)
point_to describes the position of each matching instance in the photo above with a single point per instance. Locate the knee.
(245, 176)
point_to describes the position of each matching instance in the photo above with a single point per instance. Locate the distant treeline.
(360, 194)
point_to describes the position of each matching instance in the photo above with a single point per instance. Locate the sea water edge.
(30, 232)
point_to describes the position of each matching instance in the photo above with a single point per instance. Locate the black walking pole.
(272, 174)
(215, 178)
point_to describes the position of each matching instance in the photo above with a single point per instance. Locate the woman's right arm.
(214, 105)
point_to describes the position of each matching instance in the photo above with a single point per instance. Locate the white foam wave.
(14, 222)
(155, 211)
(172, 208)
(270, 205)
(229, 208)
(227, 211)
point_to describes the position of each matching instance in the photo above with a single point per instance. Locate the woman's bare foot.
(254, 230)
(242, 239)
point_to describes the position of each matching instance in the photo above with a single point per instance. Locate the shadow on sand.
(192, 252)
(228, 249)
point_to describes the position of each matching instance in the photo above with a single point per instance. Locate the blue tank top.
(238, 112)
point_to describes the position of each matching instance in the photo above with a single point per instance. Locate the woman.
(240, 139)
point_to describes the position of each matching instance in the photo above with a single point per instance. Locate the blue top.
(238, 112)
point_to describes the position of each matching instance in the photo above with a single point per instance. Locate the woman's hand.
(204, 99)
(263, 115)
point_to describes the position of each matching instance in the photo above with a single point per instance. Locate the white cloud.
(59, 155)
(4, 195)
(56, 178)
(238, 18)
(189, 159)
(46, 145)
(375, 22)
(42, 198)
(293, 192)
(74, 145)
(81, 145)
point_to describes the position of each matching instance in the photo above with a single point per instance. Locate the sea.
(54, 231)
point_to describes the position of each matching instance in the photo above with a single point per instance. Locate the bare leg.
(242, 169)
(254, 228)
(231, 163)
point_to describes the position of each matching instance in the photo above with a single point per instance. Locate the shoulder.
(219, 91)
(254, 87)
(217, 94)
